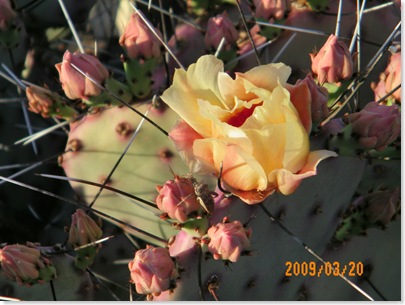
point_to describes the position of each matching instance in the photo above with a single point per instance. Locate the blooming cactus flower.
(270, 8)
(152, 270)
(177, 198)
(333, 62)
(219, 27)
(247, 125)
(138, 40)
(26, 265)
(307, 96)
(376, 125)
(228, 240)
(6, 14)
(74, 83)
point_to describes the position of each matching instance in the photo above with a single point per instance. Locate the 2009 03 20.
(329, 269)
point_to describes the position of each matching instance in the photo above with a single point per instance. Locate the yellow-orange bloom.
(247, 124)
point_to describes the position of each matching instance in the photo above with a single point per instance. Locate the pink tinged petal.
(301, 99)
(183, 137)
(288, 182)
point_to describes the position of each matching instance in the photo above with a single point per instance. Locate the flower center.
(238, 118)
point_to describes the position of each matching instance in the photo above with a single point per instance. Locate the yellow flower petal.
(267, 76)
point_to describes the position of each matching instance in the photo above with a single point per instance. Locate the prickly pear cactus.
(138, 148)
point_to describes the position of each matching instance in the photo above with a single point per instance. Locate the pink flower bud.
(152, 270)
(74, 83)
(376, 125)
(83, 230)
(39, 101)
(381, 206)
(177, 198)
(333, 62)
(307, 94)
(26, 265)
(267, 9)
(138, 40)
(6, 14)
(220, 27)
(228, 240)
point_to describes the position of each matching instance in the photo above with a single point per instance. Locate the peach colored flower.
(74, 83)
(333, 62)
(247, 125)
(138, 40)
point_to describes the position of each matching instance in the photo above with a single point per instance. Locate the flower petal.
(301, 99)
(287, 182)
(267, 76)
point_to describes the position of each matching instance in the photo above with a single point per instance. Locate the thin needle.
(283, 48)
(299, 241)
(120, 100)
(74, 203)
(339, 17)
(220, 46)
(157, 36)
(71, 26)
(119, 160)
(248, 32)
